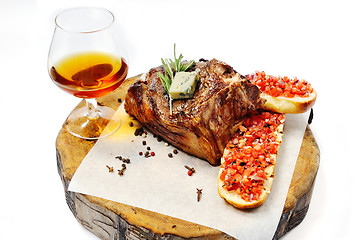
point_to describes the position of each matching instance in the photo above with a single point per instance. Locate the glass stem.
(91, 105)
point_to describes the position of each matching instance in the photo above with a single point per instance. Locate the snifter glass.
(86, 59)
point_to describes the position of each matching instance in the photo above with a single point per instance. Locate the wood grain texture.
(112, 220)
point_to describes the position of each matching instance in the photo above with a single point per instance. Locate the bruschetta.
(284, 95)
(248, 163)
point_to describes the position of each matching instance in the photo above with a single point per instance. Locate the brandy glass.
(86, 59)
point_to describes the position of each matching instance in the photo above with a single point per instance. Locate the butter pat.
(183, 85)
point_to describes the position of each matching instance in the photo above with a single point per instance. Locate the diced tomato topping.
(222, 175)
(244, 165)
(280, 86)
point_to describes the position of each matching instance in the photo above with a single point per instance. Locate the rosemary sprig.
(171, 67)
(166, 79)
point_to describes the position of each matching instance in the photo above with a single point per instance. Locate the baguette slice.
(232, 173)
(292, 105)
(284, 95)
(234, 199)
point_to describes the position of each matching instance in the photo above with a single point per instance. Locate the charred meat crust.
(202, 125)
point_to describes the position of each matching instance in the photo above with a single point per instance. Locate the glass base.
(99, 123)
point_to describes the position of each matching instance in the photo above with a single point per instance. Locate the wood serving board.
(115, 221)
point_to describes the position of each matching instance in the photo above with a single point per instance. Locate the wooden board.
(112, 220)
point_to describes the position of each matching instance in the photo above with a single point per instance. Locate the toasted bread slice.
(291, 105)
(230, 182)
(234, 199)
(284, 95)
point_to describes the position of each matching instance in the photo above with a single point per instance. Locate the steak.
(201, 125)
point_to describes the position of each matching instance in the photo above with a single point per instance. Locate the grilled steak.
(203, 124)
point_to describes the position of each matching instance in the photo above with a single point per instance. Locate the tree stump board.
(115, 221)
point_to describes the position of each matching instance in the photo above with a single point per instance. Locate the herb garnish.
(171, 67)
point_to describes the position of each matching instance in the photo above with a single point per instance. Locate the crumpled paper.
(161, 184)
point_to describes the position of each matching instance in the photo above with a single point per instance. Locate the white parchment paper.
(161, 184)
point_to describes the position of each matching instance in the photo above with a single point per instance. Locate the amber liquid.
(89, 75)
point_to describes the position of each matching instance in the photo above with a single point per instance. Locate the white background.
(315, 40)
